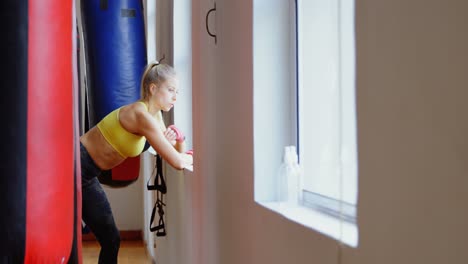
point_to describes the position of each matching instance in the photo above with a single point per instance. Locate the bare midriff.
(103, 154)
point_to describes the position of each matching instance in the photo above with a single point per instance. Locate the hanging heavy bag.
(115, 59)
(39, 172)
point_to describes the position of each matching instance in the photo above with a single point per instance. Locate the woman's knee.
(116, 239)
(113, 236)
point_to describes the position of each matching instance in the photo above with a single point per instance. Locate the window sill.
(325, 224)
(153, 152)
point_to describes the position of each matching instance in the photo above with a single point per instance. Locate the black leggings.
(96, 212)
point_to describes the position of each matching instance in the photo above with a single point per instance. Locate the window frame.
(332, 218)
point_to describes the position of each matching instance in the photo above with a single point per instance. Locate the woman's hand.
(188, 159)
(175, 137)
(170, 135)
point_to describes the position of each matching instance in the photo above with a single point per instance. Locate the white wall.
(412, 127)
(127, 205)
(412, 123)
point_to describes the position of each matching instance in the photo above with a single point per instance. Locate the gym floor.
(130, 252)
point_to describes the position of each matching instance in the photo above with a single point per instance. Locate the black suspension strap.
(161, 189)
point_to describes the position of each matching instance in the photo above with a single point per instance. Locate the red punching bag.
(40, 196)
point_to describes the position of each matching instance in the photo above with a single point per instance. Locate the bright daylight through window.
(310, 106)
(327, 115)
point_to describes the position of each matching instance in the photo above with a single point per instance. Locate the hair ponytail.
(155, 73)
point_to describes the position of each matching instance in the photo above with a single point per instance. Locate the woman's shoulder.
(134, 111)
(135, 107)
(133, 116)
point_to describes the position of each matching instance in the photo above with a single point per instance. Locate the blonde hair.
(155, 73)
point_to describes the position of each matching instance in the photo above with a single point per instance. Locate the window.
(305, 96)
(327, 117)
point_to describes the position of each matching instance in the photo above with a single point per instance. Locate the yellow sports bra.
(125, 143)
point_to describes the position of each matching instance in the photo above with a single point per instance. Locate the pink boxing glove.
(179, 135)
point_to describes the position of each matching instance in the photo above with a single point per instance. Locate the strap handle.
(160, 187)
(159, 182)
(161, 227)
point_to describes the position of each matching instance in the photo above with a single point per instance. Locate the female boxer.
(122, 134)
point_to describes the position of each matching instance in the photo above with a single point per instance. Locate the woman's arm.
(156, 138)
(176, 138)
(142, 123)
(180, 146)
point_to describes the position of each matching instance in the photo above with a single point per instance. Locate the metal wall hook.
(206, 23)
(161, 59)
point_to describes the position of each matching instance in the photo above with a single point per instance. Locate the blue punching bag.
(115, 51)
